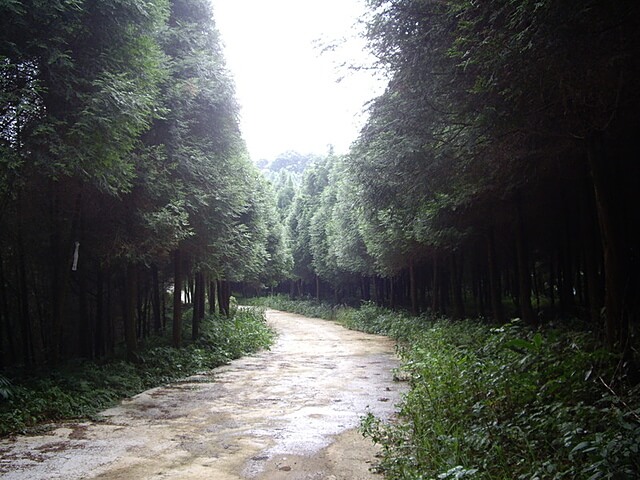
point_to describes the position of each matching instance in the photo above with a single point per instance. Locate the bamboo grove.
(496, 176)
(123, 177)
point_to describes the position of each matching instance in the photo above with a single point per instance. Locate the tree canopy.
(493, 174)
(123, 176)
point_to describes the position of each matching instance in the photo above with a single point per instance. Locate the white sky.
(288, 91)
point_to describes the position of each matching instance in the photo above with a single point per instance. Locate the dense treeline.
(123, 177)
(496, 175)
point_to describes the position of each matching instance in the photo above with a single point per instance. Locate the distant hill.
(290, 161)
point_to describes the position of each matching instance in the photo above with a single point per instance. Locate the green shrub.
(509, 403)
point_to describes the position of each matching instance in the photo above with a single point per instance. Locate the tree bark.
(100, 335)
(224, 295)
(129, 313)
(435, 290)
(212, 297)
(524, 272)
(613, 246)
(5, 319)
(177, 300)
(591, 261)
(87, 322)
(198, 305)
(456, 288)
(413, 288)
(157, 320)
(494, 279)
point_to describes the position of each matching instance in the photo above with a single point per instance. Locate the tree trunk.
(435, 298)
(456, 288)
(87, 322)
(177, 300)
(366, 287)
(565, 268)
(212, 297)
(100, 335)
(25, 317)
(494, 279)
(157, 320)
(613, 245)
(524, 273)
(413, 288)
(198, 305)
(5, 321)
(129, 314)
(224, 295)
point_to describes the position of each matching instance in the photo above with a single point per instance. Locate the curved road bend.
(288, 413)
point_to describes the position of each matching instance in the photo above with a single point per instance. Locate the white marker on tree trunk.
(74, 267)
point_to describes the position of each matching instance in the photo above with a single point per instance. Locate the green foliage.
(498, 403)
(5, 388)
(309, 308)
(83, 388)
(510, 403)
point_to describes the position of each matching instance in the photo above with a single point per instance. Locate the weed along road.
(288, 413)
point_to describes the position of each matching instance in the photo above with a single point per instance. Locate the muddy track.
(288, 413)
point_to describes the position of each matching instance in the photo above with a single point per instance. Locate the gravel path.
(288, 413)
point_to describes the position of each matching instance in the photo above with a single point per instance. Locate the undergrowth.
(80, 389)
(309, 308)
(503, 402)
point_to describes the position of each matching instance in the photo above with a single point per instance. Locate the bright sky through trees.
(289, 91)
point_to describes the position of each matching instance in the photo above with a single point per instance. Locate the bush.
(510, 403)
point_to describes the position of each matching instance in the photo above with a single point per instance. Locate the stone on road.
(288, 413)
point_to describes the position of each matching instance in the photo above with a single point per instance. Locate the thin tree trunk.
(25, 317)
(456, 287)
(129, 314)
(413, 289)
(615, 269)
(524, 274)
(86, 330)
(589, 232)
(23, 289)
(5, 319)
(99, 339)
(494, 279)
(157, 320)
(177, 300)
(198, 305)
(224, 295)
(553, 281)
(565, 268)
(435, 299)
(212, 297)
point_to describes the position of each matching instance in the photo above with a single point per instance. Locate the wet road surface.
(288, 413)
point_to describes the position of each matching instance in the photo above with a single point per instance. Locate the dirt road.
(288, 413)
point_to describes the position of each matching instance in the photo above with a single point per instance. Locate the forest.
(123, 178)
(494, 183)
(496, 175)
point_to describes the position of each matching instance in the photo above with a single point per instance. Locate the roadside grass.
(499, 402)
(80, 389)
